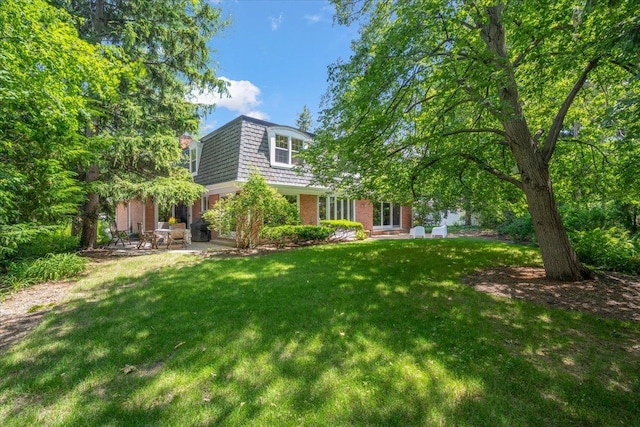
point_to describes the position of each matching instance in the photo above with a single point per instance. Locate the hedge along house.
(223, 160)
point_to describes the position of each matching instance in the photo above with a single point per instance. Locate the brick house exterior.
(223, 160)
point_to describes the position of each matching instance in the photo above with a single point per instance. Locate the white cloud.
(243, 98)
(275, 22)
(258, 115)
(313, 19)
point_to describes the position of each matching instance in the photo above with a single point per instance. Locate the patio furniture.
(146, 237)
(117, 235)
(417, 232)
(439, 231)
(177, 235)
(161, 233)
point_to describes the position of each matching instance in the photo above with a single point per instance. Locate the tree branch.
(524, 54)
(552, 138)
(480, 130)
(488, 168)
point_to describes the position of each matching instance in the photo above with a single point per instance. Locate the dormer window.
(193, 159)
(285, 146)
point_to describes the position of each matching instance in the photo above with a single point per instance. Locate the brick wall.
(122, 216)
(364, 214)
(150, 215)
(406, 220)
(309, 209)
(196, 209)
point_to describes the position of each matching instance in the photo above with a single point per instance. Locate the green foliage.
(486, 103)
(133, 144)
(518, 228)
(295, 234)
(246, 213)
(589, 216)
(28, 241)
(49, 241)
(221, 216)
(50, 267)
(344, 228)
(12, 237)
(585, 217)
(608, 249)
(303, 122)
(46, 75)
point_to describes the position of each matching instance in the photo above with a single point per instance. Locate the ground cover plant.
(362, 333)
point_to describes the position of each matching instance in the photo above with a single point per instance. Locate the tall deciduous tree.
(46, 76)
(135, 141)
(482, 85)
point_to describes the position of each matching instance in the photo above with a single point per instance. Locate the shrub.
(49, 267)
(343, 228)
(518, 228)
(257, 205)
(288, 234)
(50, 242)
(581, 218)
(609, 249)
(26, 241)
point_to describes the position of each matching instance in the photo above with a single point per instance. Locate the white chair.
(417, 232)
(439, 231)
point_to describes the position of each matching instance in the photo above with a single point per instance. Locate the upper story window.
(193, 159)
(285, 145)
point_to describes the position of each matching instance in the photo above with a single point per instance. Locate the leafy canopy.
(417, 111)
(47, 74)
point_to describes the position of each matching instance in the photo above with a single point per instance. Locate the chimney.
(185, 141)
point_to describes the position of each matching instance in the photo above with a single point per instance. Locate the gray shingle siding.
(233, 151)
(220, 155)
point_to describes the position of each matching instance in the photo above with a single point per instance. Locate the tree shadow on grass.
(374, 333)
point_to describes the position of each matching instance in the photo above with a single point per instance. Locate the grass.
(366, 333)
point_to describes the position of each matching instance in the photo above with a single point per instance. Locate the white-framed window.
(193, 159)
(332, 207)
(204, 203)
(285, 146)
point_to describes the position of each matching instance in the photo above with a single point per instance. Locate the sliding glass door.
(386, 215)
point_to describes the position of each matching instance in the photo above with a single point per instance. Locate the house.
(224, 159)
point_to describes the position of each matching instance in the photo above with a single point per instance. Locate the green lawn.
(367, 333)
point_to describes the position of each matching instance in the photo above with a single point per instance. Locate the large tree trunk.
(91, 209)
(559, 258)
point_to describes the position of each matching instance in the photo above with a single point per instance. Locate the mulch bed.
(611, 295)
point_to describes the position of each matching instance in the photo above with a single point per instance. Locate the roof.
(231, 152)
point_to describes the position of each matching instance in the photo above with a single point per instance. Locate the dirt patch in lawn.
(23, 310)
(610, 295)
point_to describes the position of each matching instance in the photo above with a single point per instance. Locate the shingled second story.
(232, 152)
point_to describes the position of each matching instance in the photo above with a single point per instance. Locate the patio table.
(163, 234)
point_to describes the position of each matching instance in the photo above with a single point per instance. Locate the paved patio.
(207, 247)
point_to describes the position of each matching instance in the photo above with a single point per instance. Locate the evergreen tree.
(304, 119)
(134, 141)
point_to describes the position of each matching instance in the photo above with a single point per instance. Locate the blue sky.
(275, 55)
